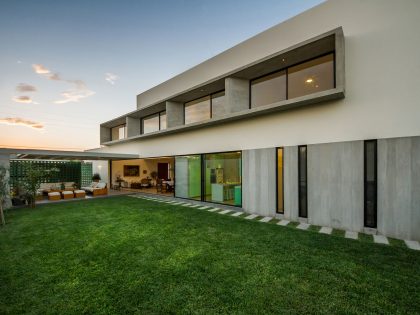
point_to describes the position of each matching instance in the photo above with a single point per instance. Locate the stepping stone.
(185, 204)
(195, 206)
(225, 211)
(303, 226)
(380, 239)
(266, 219)
(352, 235)
(177, 203)
(170, 201)
(412, 244)
(213, 210)
(203, 208)
(236, 214)
(325, 230)
(283, 222)
(251, 216)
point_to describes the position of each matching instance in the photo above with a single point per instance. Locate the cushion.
(67, 193)
(93, 184)
(100, 185)
(56, 193)
(79, 191)
(88, 189)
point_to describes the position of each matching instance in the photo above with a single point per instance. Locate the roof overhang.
(34, 154)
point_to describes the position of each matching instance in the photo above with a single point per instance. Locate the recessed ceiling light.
(283, 60)
(310, 80)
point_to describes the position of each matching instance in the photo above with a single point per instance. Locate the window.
(154, 122)
(197, 110)
(218, 105)
(223, 178)
(310, 77)
(268, 89)
(303, 181)
(162, 117)
(370, 178)
(188, 177)
(280, 189)
(118, 133)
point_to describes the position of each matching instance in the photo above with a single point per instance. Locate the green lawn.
(126, 255)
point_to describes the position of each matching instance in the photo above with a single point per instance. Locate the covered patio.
(73, 173)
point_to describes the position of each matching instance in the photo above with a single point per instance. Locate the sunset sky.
(67, 66)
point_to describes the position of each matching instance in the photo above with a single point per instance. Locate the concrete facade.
(5, 162)
(399, 187)
(174, 114)
(237, 94)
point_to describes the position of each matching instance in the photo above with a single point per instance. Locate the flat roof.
(35, 154)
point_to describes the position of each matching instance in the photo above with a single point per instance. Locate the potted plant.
(96, 177)
(154, 175)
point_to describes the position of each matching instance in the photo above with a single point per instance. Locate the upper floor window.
(197, 110)
(269, 89)
(310, 77)
(119, 132)
(154, 122)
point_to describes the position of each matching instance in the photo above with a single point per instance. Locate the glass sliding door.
(280, 190)
(303, 181)
(223, 178)
(188, 177)
(370, 183)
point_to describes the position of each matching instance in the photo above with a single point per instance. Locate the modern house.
(316, 119)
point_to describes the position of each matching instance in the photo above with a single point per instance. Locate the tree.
(32, 181)
(4, 191)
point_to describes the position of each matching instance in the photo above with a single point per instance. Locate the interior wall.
(101, 167)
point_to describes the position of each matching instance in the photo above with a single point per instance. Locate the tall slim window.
(370, 176)
(303, 181)
(197, 110)
(118, 133)
(268, 89)
(280, 189)
(310, 77)
(223, 178)
(188, 176)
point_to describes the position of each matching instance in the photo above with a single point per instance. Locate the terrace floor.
(131, 255)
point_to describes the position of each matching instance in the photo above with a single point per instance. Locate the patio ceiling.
(64, 155)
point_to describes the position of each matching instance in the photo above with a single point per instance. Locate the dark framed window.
(303, 180)
(280, 180)
(153, 122)
(118, 132)
(370, 183)
(269, 89)
(197, 110)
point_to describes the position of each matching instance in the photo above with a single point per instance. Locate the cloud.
(42, 70)
(78, 92)
(23, 99)
(111, 78)
(17, 121)
(75, 94)
(23, 87)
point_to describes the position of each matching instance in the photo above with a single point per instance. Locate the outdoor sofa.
(96, 189)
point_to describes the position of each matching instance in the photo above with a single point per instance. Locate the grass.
(125, 255)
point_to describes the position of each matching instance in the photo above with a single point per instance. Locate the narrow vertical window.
(280, 190)
(370, 178)
(303, 181)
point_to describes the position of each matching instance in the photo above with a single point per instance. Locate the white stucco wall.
(382, 49)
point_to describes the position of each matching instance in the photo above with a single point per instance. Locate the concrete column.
(399, 187)
(5, 162)
(290, 183)
(335, 185)
(174, 114)
(105, 134)
(133, 126)
(259, 181)
(236, 94)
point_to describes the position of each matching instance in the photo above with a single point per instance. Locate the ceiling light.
(310, 80)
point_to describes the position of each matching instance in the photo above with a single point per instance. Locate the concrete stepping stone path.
(236, 214)
(325, 230)
(225, 211)
(283, 222)
(303, 226)
(266, 219)
(352, 235)
(412, 244)
(213, 209)
(251, 216)
(380, 239)
(203, 208)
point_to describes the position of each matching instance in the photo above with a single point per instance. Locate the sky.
(68, 66)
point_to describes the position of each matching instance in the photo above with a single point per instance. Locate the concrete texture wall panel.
(5, 162)
(335, 185)
(399, 187)
(259, 181)
(174, 114)
(133, 126)
(290, 165)
(237, 94)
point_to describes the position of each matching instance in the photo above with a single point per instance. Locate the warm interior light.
(310, 80)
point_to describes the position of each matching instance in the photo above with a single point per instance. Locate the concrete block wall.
(133, 126)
